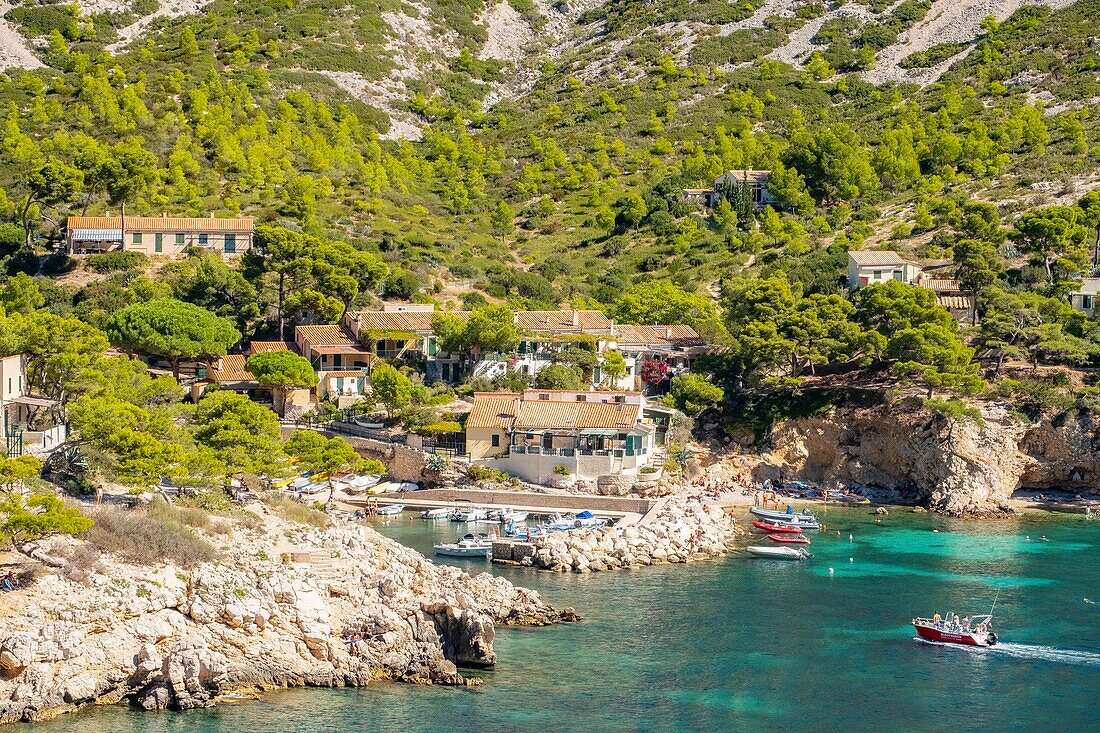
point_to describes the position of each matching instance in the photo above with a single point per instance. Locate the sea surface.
(744, 644)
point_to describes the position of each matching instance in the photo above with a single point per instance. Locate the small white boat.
(507, 514)
(408, 486)
(359, 484)
(467, 546)
(471, 514)
(390, 509)
(804, 519)
(366, 422)
(439, 513)
(580, 520)
(778, 553)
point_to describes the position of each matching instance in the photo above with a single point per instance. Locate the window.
(179, 239)
(899, 275)
(544, 396)
(158, 242)
(582, 398)
(137, 238)
(620, 399)
(230, 243)
(1086, 302)
(496, 441)
(203, 239)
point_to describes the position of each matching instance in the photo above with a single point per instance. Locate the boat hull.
(805, 521)
(777, 528)
(788, 539)
(779, 553)
(962, 637)
(463, 552)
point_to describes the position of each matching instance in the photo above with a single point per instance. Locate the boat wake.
(1029, 651)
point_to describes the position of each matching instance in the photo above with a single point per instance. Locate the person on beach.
(8, 583)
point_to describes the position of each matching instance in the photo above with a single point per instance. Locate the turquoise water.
(756, 645)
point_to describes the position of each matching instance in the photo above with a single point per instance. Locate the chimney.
(576, 318)
(668, 332)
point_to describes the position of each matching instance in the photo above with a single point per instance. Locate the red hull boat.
(780, 528)
(788, 539)
(978, 632)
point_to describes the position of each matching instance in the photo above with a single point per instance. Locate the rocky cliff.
(960, 467)
(291, 607)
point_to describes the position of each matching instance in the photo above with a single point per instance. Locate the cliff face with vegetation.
(301, 606)
(958, 466)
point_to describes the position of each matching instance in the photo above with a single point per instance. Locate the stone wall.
(402, 463)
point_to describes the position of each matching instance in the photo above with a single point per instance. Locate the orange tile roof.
(231, 368)
(325, 335)
(563, 321)
(874, 257)
(346, 373)
(259, 347)
(635, 335)
(494, 410)
(400, 320)
(942, 284)
(162, 223)
(539, 414)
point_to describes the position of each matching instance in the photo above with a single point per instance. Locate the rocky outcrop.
(960, 467)
(681, 530)
(174, 638)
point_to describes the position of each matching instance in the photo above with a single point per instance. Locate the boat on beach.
(773, 528)
(390, 509)
(778, 553)
(468, 545)
(804, 519)
(970, 631)
(789, 539)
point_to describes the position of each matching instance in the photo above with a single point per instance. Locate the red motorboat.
(789, 539)
(780, 528)
(970, 631)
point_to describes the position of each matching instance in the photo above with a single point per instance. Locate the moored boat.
(778, 553)
(467, 546)
(390, 509)
(470, 514)
(804, 519)
(789, 539)
(438, 513)
(773, 528)
(970, 631)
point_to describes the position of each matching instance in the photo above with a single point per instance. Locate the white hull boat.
(507, 515)
(581, 520)
(469, 515)
(804, 519)
(440, 513)
(778, 553)
(468, 546)
(390, 510)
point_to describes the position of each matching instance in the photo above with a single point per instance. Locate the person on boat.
(937, 619)
(966, 622)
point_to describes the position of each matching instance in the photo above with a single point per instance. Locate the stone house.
(590, 434)
(757, 182)
(158, 235)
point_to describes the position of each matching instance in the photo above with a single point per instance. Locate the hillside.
(570, 120)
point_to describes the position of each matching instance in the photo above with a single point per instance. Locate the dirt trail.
(14, 51)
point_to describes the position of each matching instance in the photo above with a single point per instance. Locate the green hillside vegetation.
(569, 193)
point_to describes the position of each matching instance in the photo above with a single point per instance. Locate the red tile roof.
(162, 223)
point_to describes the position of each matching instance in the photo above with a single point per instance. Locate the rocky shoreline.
(681, 530)
(285, 606)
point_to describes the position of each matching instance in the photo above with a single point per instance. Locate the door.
(158, 242)
(547, 442)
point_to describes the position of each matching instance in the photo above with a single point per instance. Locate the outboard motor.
(991, 638)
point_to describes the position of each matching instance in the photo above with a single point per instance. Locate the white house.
(171, 236)
(869, 267)
(28, 423)
(1084, 297)
(590, 434)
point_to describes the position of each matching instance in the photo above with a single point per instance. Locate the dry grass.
(296, 512)
(152, 536)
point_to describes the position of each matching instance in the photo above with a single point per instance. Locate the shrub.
(296, 512)
(561, 470)
(440, 427)
(484, 473)
(954, 409)
(117, 261)
(151, 536)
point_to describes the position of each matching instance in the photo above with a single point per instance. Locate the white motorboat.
(359, 484)
(470, 514)
(778, 553)
(467, 546)
(580, 520)
(438, 513)
(804, 519)
(390, 509)
(507, 514)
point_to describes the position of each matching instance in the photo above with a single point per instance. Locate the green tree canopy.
(172, 329)
(660, 302)
(314, 452)
(892, 306)
(22, 521)
(559, 376)
(241, 433)
(1055, 236)
(693, 393)
(390, 387)
(282, 369)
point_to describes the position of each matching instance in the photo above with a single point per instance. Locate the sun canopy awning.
(98, 235)
(34, 401)
(339, 349)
